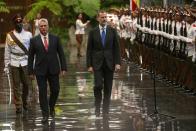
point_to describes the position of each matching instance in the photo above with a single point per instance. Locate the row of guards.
(159, 39)
(165, 42)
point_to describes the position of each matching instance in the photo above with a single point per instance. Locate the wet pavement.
(132, 106)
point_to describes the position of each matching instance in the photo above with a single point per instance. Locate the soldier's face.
(18, 24)
(43, 27)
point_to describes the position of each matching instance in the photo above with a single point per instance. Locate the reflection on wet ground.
(132, 106)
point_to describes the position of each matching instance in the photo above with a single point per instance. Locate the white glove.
(6, 70)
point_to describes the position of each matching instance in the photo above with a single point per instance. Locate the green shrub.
(62, 33)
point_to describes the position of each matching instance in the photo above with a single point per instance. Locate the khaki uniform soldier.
(192, 35)
(175, 46)
(157, 39)
(170, 36)
(144, 36)
(124, 34)
(148, 56)
(186, 55)
(134, 56)
(191, 52)
(179, 53)
(15, 59)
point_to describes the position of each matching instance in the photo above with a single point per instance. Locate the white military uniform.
(14, 55)
(192, 35)
(133, 29)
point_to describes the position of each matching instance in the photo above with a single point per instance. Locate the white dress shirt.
(101, 29)
(42, 37)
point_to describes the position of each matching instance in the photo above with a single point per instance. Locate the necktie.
(45, 43)
(103, 36)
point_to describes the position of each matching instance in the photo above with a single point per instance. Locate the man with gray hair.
(46, 61)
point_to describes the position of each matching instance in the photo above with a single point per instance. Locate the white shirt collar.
(101, 27)
(18, 32)
(42, 36)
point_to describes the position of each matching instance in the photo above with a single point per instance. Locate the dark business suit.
(103, 59)
(46, 66)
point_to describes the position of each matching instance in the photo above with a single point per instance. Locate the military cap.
(17, 18)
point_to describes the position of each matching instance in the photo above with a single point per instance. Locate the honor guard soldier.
(133, 45)
(192, 34)
(15, 59)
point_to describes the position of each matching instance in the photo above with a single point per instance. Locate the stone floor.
(132, 106)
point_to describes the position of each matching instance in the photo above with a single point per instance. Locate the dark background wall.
(15, 6)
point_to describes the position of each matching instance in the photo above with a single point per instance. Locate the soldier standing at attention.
(15, 59)
(191, 48)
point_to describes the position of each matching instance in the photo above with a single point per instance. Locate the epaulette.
(10, 31)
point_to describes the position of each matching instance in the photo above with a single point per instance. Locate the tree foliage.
(114, 3)
(63, 11)
(63, 7)
(3, 7)
(53, 5)
(89, 7)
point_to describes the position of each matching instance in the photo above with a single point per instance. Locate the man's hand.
(90, 69)
(32, 77)
(63, 73)
(117, 67)
(6, 70)
(88, 21)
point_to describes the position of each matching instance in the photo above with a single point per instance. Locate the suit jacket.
(97, 53)
(41, 62)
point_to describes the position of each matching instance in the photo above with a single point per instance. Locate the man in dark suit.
(103, 58)
(46, 61)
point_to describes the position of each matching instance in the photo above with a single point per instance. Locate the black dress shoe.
(193, 94)
(79, 55)
(45, 120)
(25, 107)
(105, 115)
(52, 114)
(18, 110)
(97, 112)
